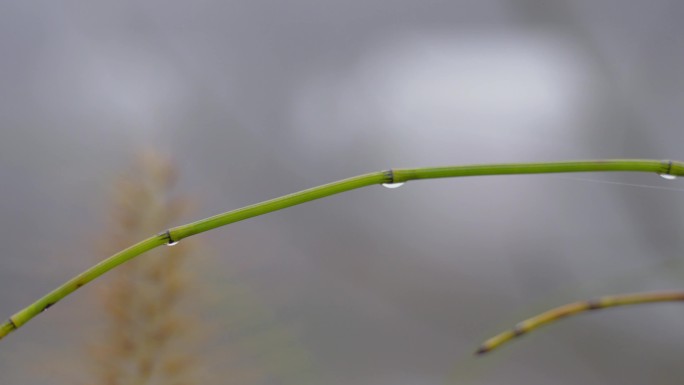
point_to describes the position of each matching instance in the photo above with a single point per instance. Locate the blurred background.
(244, 101)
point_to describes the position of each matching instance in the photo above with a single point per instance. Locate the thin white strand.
(619, 183)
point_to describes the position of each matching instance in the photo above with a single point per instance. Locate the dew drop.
(668, 176)
(172, 243)
(393, 185)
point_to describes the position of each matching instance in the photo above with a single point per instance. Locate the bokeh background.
(256, 99)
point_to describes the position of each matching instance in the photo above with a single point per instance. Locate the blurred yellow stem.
(575, 308)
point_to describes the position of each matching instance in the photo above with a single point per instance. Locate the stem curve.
(674, 168)
(575, 308)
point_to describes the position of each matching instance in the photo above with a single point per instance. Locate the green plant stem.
(175, 234)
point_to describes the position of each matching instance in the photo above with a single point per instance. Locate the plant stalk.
(575, 308)
(666, 167)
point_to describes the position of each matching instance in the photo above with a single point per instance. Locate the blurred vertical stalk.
(148, 337)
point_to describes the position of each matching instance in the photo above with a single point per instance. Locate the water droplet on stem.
(392, 185)
(172, 243)
(668, 176)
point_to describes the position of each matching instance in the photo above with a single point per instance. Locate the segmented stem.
(575, 308)
(175, 234)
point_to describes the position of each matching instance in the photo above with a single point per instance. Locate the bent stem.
(663, 167)
(575, 308)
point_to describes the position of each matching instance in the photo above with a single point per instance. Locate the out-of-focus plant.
(152, 333)
(150, 336)
(575, 308)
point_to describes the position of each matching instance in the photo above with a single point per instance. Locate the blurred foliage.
(155, 331)
(150, 336)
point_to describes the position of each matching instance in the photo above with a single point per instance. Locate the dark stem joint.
(389, 176)
(166, 236)
(666, 167)
(481, 350)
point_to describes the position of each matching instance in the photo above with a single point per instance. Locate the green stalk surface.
(666, 167)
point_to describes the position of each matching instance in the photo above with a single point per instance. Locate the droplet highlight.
(668, 176)
(393, 185)
(172, 243)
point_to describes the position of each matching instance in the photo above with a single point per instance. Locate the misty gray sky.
(256, 99)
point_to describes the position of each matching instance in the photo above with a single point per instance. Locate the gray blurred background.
(257, 99)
